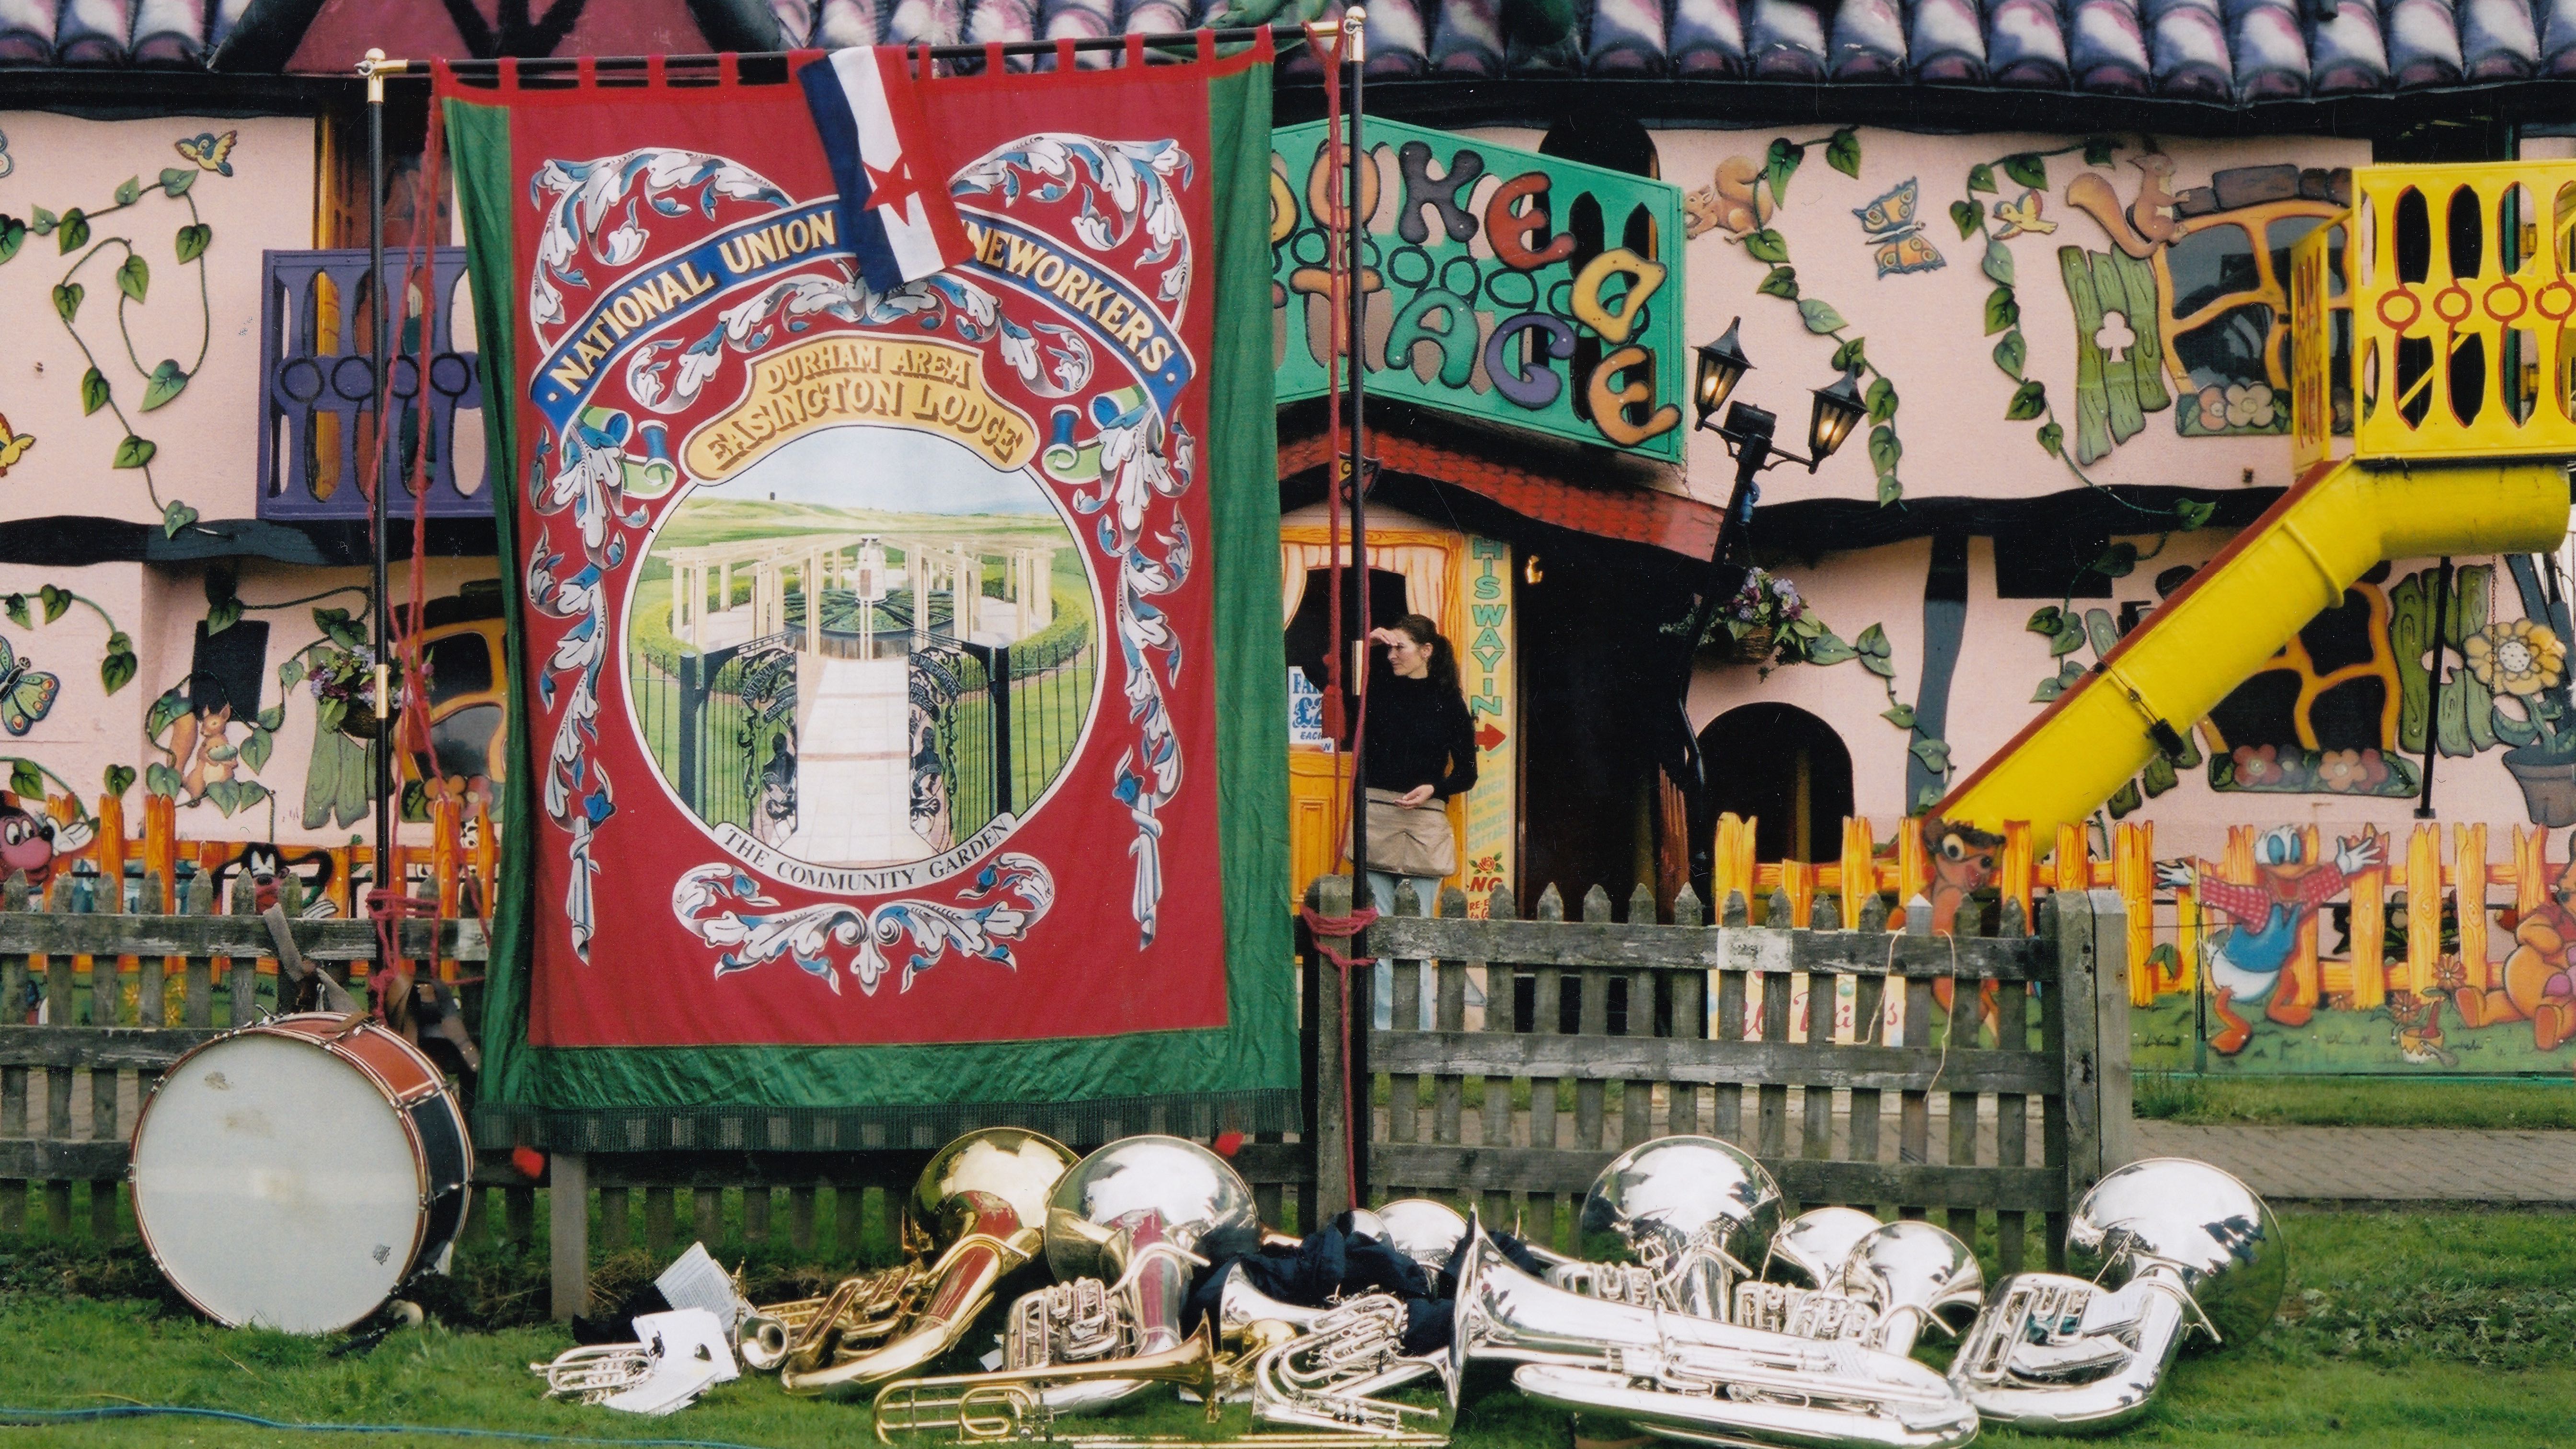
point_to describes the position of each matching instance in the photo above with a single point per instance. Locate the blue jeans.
(1382, 895)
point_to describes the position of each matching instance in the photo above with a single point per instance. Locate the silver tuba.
(1875, 1284)
(1696, 1380)
(1690, 1210)
(2184, 1245)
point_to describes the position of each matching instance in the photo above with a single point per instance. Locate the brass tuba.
(1697, 1380)
(1690, 1210)
(982, 1197)
(2185, 1246)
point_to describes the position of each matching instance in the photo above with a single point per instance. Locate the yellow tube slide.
(2285, 568)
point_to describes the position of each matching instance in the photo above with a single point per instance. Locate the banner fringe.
(1197, 1115)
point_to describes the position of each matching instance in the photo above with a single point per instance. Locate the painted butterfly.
(26, 693)
(1895, 238)
(13, 446)
(210, 151)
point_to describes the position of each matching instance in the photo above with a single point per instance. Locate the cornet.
(1698, 1380)
(595, 1371)
(2189, 1247)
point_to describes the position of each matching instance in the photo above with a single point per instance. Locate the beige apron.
(1410, 841)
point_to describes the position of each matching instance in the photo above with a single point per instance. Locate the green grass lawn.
(2402, 1329)
(2358, 1102)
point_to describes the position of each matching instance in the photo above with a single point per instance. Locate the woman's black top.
(1418, 733)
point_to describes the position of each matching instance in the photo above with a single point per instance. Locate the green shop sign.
(1503, 284)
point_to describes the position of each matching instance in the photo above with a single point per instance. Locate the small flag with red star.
(894, 206)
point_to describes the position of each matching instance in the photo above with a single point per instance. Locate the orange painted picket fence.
(2519, 880)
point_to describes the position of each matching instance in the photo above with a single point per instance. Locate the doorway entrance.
(1785, 770)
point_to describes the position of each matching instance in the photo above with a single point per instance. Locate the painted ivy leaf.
(337, 626)
(1969, 217)
(1981, 178)
(165, 383)
(13, 235)
(1849, 355)
(2029, 169)
(1779, 282)
(42, 222)
(93, 391)
(1779, 166)
(2046, 619)
(222, 615)
(1884, 449)
(2098, 150)
(1999, 263)
(132, 188)
(135, 277)
(255, 748)
(175, 517)
(67, 300)
(26, 780)
(177, 179)
(1820, 315)
(1842, 152)
(2118, 561)
(2001, 310)
(56, 602)
(2068, 673)
(134, 452)
(2193, 513)
(165, 712)
(2068, 638)
(117, 667)
(73, 234)
(327, 717)
(118, 779)
(1899, 715)
(2028, 401)
(1889, 489)
(1829, 648)
(1766, 245)
(1872, 643)
(247, 793)
(2011, 352)
(2053, 438)
(221, 795)
(1935, 755)
(291, 673)
(160, 779)
(273, 718)
(2048, 689)
(193, 240)
(1882, 400)
(2097, 623)
(16, 604)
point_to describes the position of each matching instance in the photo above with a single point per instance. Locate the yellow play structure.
(2461, 391)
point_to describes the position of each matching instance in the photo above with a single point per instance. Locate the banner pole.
(380, 755)
(1354, 339)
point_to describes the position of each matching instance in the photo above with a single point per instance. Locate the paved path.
(853, 766)
(2381, 1164)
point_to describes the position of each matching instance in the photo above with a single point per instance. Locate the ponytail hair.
(1444, 659)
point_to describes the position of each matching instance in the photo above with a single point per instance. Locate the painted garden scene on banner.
(1425, 726)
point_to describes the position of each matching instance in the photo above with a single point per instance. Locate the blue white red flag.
(894, 206)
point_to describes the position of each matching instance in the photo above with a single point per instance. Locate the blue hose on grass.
(39, 1418)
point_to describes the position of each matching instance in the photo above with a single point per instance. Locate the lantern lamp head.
(1721, 365)
(1838, 410)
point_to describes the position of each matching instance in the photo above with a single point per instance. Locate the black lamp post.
(1748, 431)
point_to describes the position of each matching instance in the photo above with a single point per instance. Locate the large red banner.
(867, 660)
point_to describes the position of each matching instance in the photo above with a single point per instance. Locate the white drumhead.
(276, 1186)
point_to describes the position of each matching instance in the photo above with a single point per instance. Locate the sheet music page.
(694, 1281)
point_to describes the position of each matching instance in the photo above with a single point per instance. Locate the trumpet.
(2189, 1247)
(1698, 1380)
(1016, 1404)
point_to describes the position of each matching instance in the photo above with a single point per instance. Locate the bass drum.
(328, 1141)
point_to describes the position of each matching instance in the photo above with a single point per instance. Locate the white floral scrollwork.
(1008, 897)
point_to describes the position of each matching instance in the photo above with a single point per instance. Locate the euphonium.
(1690, 1210)
(2185, 1245)
(1698, 1380)
(1018, 1404)
(1328, 1376)
(983, 1197)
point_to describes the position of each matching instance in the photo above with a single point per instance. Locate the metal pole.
(380, 755)
(1355, 51)
(2433, 716)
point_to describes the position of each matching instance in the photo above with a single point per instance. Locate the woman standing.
(1421, 749)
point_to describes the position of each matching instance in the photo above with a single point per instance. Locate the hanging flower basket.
(1751, 644)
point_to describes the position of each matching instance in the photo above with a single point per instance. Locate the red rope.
(1344, 926)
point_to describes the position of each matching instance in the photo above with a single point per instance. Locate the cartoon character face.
(1962, 856)
(2282, 853)
(26, 842)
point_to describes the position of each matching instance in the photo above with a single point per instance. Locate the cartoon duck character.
(2247, 963)
(2539, 984)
